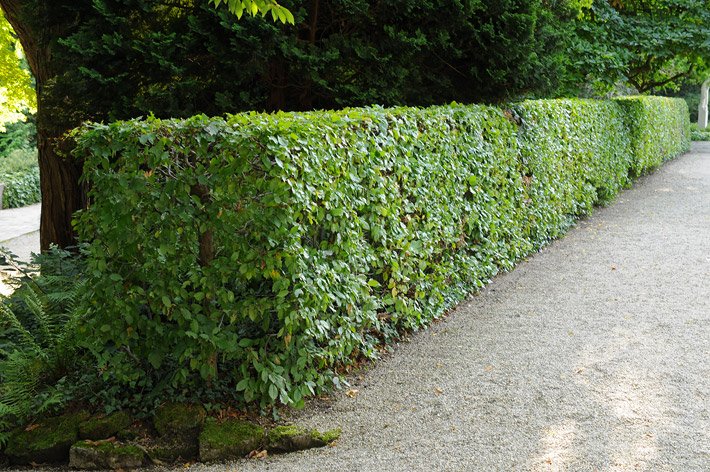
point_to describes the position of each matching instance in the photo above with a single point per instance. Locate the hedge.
(696, 134)
(267, 252)
(19, 172)
(21, 188)
(659, 130)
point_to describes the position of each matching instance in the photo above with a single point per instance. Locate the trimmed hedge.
(576, 154)
(21, 188)
(268, 251)
(696, 134)
(19, 172)
(659, 130)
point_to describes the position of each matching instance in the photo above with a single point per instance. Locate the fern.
(38, 325)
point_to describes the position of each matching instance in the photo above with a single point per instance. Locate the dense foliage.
(19, 174)
(266, 252)
(108, 59)
(177, 59)
(254, 7)
(21, 188)
(18, 136)
(16, 93)
(697, 134)
(650, 45)
(342, 53)
(659, 130)
(38, 344)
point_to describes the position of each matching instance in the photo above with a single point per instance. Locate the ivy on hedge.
(268, 251)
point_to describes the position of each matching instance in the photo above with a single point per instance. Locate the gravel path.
(594, 355)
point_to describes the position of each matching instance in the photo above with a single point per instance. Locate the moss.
(136, 430)
(296, 438)
(104, 427)
(172, 449)
(281, 433)
(47, 441)
(229, 439)
(328, 436)
(227, 432)
(105, 455)
(128, 434)
(111, 447)
(179, 418)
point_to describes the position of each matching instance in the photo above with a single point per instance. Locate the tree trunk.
(61, 193)
(59, 177)
(703, 106)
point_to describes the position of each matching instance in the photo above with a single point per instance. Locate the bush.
(575, 153)
(266, 252)
(696, 134)
(19, 172)
(18, 136)
(18, 161)
(659, 130)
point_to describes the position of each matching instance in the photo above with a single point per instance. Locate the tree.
(114, 59)
(40, 26)
(16, 93)
(650, 45)
(254, 7)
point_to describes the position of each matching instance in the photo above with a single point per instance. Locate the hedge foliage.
(696, 134)
(266, 252)
(659, 129)
(19, 172)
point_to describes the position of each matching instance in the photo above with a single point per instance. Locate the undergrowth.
(38, 345)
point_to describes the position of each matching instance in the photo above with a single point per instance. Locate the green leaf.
(156, 359)
(243, 384)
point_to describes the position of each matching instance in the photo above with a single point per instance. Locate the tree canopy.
(650, 45)
(254, 7)
(341, 53)
(17, 96)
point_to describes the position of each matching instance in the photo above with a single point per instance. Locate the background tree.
(650, 45)
(109, 59)
(17, 96)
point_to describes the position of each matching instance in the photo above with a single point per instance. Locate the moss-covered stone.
(105, 455)
(137, 430)
(229, 439)
(105, 426)
(172, 449)
(328, 436)
(179, 419)
(47, 441)
(296, 438)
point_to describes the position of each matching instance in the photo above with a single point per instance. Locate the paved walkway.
(19, 232)
(594, 355)
(16, 222)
